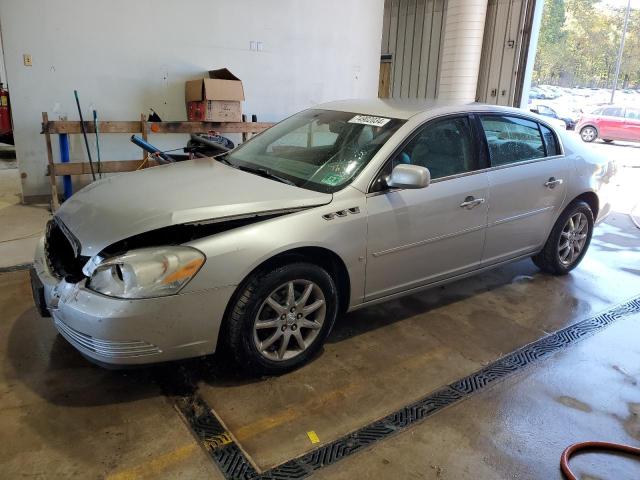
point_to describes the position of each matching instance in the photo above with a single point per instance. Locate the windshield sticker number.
(370, 120)
(332, 180)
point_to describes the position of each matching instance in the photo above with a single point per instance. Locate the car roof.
(405, 109)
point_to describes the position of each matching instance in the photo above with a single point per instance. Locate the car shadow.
(44, 362)
(616, 143)
(380, 315)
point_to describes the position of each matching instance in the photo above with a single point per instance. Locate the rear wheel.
(607, 140)
(568, 241)
(588, 134)
(281, 318)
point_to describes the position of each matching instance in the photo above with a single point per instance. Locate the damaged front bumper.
(117, 331)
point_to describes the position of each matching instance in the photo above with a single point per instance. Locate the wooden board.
(55, 204)
(60, 126)
(384, 80)
(112, 166)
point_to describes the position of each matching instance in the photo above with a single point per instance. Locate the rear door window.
(632, 113)
(512, 139)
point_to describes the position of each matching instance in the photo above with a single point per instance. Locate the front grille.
(62, 253)
(106, 348)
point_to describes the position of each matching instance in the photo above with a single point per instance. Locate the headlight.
(144, 273)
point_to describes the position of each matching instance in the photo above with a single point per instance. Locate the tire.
(553, 258)
(607, 140)
(588, 134)
(262, 315)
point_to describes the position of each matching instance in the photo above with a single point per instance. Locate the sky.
(621, 3)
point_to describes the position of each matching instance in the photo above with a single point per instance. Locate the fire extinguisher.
(5, 111)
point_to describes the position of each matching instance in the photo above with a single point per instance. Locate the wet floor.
(61, 416)
(518, 428)
(384, 357)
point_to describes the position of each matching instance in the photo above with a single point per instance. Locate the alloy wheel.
(573, 238)
(289, 320)
(588, 134)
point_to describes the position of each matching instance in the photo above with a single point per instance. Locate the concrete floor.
(61, 417)
(518, 428)
(21, 226)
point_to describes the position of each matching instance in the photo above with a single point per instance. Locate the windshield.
(322, 150)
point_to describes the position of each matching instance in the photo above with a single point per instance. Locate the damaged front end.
(63, 250)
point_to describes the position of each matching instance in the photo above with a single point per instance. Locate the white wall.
(126, 56)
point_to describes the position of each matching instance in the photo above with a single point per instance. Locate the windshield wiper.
(221, 158)
(263, 172)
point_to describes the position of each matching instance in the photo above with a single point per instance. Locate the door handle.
(471, 202)
(552, 182)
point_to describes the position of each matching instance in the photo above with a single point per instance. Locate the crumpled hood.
(119, 207)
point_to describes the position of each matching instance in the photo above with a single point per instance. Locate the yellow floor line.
(316, 403)
(156, 465)
(320, 402)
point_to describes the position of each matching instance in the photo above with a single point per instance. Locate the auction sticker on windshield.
(370, 120)
(332, 180)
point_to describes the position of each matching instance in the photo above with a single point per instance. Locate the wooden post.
(143, 125)
(55, 204)
(245, 136)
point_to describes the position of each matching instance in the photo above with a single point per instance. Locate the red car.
(610, 123)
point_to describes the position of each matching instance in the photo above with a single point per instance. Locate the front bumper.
(133, 332)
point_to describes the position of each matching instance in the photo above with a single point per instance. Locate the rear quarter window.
(550, 141)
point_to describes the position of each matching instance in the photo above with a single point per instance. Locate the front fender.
(234, 254)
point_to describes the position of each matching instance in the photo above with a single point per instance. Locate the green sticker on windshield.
(332, 180)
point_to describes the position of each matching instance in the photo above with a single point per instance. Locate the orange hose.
(576, 447)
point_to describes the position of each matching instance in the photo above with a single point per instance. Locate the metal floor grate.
(234, 464)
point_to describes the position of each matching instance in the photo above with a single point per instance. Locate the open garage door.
(504, 51)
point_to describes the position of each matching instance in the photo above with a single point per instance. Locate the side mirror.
(409, 176)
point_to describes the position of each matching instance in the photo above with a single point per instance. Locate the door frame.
(478, 136)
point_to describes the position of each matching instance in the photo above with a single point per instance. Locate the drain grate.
(214, 438)
(235, 466)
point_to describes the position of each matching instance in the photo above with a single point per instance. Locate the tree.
(578, 44)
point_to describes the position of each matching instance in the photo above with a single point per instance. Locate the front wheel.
(588, 134)
(607, 140)
(281, 318)
(568, 241)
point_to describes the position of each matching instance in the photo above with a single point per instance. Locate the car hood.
(203, 189)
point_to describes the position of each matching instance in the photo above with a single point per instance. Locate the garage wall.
(125, 57)
(412, 35)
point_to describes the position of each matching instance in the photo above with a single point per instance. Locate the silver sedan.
(335, 208)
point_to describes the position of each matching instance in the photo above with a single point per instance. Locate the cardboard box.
(215, 99)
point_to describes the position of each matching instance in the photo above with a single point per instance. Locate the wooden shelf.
(108, 166)
(73, 127)
(142, 127)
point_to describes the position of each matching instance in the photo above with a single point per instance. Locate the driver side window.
(444, 146)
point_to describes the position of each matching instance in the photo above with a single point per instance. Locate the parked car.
(610, 123)
(535, 93)
(336, 208)
(547, 111)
